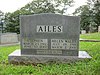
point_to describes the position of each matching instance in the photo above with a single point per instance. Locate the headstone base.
(16, 58)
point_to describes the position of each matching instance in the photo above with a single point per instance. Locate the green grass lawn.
(86, 67)
(95, 36)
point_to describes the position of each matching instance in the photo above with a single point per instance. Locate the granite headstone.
(48, 37)
(50, 34)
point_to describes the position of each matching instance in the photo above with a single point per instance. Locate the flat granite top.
(10, 44)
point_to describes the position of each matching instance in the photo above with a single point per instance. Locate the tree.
(90, 15)
(35, 7)
(12, 22)
(47, 6)
(96, 11)
(1, 21)
(84, 13)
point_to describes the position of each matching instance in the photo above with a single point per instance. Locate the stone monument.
(83, 31)
(8, 38)
(98, 28)
(48, 37)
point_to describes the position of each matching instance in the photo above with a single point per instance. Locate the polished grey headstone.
(49, 34)
(17, 57)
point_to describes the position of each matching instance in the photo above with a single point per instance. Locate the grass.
(95, 36)
(86, 67)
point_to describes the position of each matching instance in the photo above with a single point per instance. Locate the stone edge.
(16, 58)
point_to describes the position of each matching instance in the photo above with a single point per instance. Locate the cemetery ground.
(84, 67)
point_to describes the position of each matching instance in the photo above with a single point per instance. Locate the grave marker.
(48, 37)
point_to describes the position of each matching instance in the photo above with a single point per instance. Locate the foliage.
(84, 14)
(12, 22)
(35, 7)
(1, 16)
(1, 13)
(90, 15)
(1, 21)
(96, 12)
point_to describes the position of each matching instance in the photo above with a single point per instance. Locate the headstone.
(49, 34)
(8, 38)
(48, 37)
(98, 28)
(18, 37)
(83, 31)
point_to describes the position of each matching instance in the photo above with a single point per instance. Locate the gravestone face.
(83, 31)
(49, 34)
(48, 38)
(98, 28)
(8, 38)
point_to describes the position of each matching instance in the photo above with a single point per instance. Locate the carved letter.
(40, 29)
